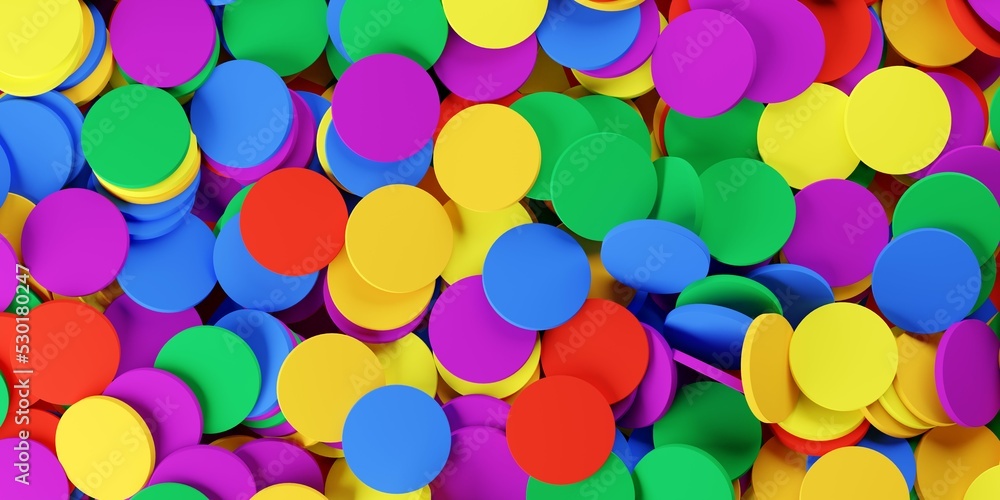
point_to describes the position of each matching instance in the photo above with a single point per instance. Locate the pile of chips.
(499, 249)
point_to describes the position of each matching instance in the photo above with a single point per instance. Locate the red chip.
(819, 448)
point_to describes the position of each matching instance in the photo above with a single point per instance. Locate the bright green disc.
(285, 35)
(602, 180)
(233, 208)
(714, 418)
(220, 368)
(955, 203)
(558, 121)
(614, 116)
(169, 491)
(416, 29)
(680, 198)
(749, 211)
(33, 302)
(707, 141)
(611, 482)
(681, 471)
(862, 174)
(735, 292)
(267, 423)
(135, 136)
(4, 398)
(338, 65)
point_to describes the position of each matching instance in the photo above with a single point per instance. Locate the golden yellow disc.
(91, 87)
(474, 234)
(546, 76)
(804, 139)
(342, 484)
(325, 450)
(628, 86)
(602, 284)
(924, 33)
(288, 491)
(320, 381)
(767, 378)
(105, 448)
(894, 406)
(915, 381)
(500, 389)
(87, 35)
(778, 471)
(399, 238)
(42, 46)
(531, 380)
(950, 458)
(367, 306)
(444, 392)
(986, 486)
(232, 442)
(321, 131)
(611, 5)
(577, 92)
(854, 472)
(853, 290)
(881, 420)
(494, 24)
(813, 422)
(408, 361)
(898, 120)
(13, 213)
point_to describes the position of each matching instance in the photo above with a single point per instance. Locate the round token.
(611, 482)
(493, 181)
(226, 388)
(72, 117)
(547, 258)
(734, 292)
(169, 491)
(8, 260)
(105, 448)
(558, 121)
(843, 356)
(629, 86)
(977, 449)
(408, 361)
(560, 430)
(293, 221)
(477, 410)
(43, 53)
(142, 332)
(172, 273)
(250, 284)
(474, 234)
(640, 50)
(767, 377)
(656, 391)
(681, 471)
(399, 429)
(288, 491)
(778, 471)
(871, 473)
(846, 30)
(601, 181)
(811, 424)
(798, 289)
(497, 349)
(749, 211)
(602, 344)
(154, 127)
(968, 122)
(870, 61)
(896, 409)
(967, 379)
(979, 162)
(394, 217)
(987, 11)
(915, 381)
(895, 449)
(369, 307)
(47, 478)
(687, 74)
(680, 198)
(481, 74)
(943, 201)
(615, 116)
(927, 35)
(920, 303)
(269, 340)
(985, 486)
(297, 466)
(349, 369)
(880, 419)
(33, 135)
(287, 36)
(366, 334)
(706, 330)
(364, 125)
(170, 41)
(587, 39)
(807, 130)
(840, 228)
(716, 419)
(93, 56)
(886, 130)
(360, 175)
(495, 24)
(242, 115)
(417, 30)
(669, 257)
(167, 405)
(171, 187)
(789, 40)
(526, 374)
(706, 141)
(342, 483)
(480, 461)
(214, 471)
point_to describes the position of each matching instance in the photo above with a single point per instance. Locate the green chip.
(862, 174)
(735, 292)
(285, 35)
(169, 491)
(416, 29)
(989, 280)
(614, 116)
(33, 302)
(749, 211)
(136, 136)
(680, 198)
(707, 141)
(338, 65)
(4, 398)
(267, 423)
(611, 482)
(681, 471)
(234, 207)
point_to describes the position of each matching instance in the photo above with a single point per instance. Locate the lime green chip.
(735, 292)
(614, 116)
(611, 482)
(707, 141)
(681, 471)
(416, 29)
(285, 35)
(680, 198)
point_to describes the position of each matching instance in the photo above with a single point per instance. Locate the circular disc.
(681, 471)
(871, 474)
(47, 477)
(142, 332)
(474, 234)
(658, 387)
(169, 491)
(482, 74)
(35, 142)
(734, 292)
(480, 461)
(655, 256)
(495, 24)
(286, 35)
(706, 141)
(846, 30)
(477, 410)
(408, 361)
(297, 465)
(270, 342)
(585, 38)
(613, 476)
(798, 289)
(915, 381)
(767, 377)
(928, 36)
(976, 449)
(778, 471)
(985, 486)
(42, 38)
(979, 162)
(212, 470)
(416, 29)
(967, 377)
(814, 426)
(367, 306)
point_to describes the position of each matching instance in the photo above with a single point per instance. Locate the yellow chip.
(843, 356)
(288, 491)
(767, 379)
(320, 381)
(399, 238)
(898, 120)
(43, 44)
(13, 212)
(881, 420)
(916, 383)
(853, 290)
(531, 380)
(91, 87)
(494, 24)
(950, 458)
(813, 422)
(474, 234)
(500, 389)
(487, 157)
(804, 139)
(778, 471)
(854, 472)
(986, 486)
(342, 484)
(325, 450)
(232, 442)
(546, 76)
(367, 306)
(105, 448)
(628, 86)
(924, 32)
(408, 361)
(894, 406)
(610, 5)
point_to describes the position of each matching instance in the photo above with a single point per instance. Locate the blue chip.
(706, 330)
(37, 141)
(640, 443)
(333, 13)
(926, 280)
(318, 106)
(93, 58)
(270, 342)
(73, 159)
(171, 273)
(895, 449)
(582, 38)
(397, 439)
(156, 211)
(4, 172)
(250, 284)
(621, 449)
(985, 312)
(139, 230)
(536, 276)
(800, 290)
(242, 114)
(361, 176)
(655, 256)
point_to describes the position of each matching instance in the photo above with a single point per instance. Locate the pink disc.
(482, 75)
(142, 332)
(8, 260)
(276, 461)
(656, 391)
(477, 410)
(967, 373)
(44, 475)
(979, 162)
(480, 462)
(642, 47)
(968, 124)
(216, 472)
(75, 242)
